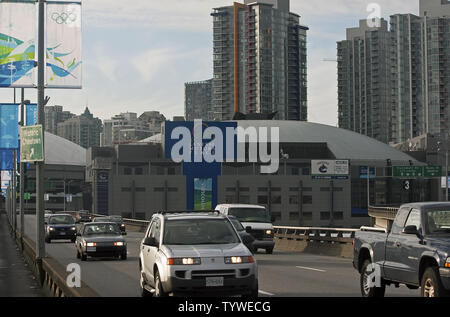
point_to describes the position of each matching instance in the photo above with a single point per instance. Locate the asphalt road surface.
(280, 274)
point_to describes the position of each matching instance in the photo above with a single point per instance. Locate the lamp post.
(23, 102)
(439, 143)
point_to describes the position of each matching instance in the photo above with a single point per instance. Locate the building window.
(229, 199)
(338, 189)
(293, 216)
(276, 199)
(307, 216)
(244, 199)
(158, 189)
(262, 200)
(127, 171)
(171, 171)
(293, 200)
(338, 215)
(307, 200)
(262, 189)
(172, 189)
(139, 171)
(125, 189)
(306, 171)
(325, 215)
(277, 216)
(230, 189)
(324, 189)
(140, 189)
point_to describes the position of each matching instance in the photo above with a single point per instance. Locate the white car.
(257, 221)
(191, 252)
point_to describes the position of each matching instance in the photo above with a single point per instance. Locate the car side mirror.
(410, 230)
(150, 242)
(247, 239)
(124, 233)
(248, 229)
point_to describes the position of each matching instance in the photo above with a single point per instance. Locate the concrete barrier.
(53, 275)
(323, 241)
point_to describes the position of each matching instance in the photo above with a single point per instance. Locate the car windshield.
(117, 219)
(102, 219)
(237, 224)
(199, 231)
(101, 228)
(61, 220)
(437, 221)
(250, 214)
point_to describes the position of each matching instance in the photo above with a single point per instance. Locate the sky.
(138, 54)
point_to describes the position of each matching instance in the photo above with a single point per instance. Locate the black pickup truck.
(415, 251)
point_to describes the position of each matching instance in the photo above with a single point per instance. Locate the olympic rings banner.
(63, 45)
(18, 35)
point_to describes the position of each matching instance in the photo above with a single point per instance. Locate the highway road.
(280, 274)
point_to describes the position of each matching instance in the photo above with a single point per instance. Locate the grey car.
(195, 253)
(101, 239)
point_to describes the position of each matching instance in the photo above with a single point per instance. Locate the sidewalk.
(16, 280)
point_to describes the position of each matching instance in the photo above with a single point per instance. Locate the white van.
(257, 218)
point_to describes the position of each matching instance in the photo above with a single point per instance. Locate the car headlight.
(268, 232)
(118, 244)
(122, 225)
(73, 228)
(91, 244)
(447, 263)
(184, 261)
(239, 259)
(51, 229)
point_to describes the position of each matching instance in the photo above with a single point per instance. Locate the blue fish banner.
(9, 126)
(17, 48)
(18, 44)
(31, 114)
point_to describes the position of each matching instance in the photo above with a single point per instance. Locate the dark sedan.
(60, 227)
(101, 239)
(116, 219)
(246, 237)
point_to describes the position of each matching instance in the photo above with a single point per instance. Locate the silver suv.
(191, 252)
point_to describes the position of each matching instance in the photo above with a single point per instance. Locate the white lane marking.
(266, 293)
(310, 268)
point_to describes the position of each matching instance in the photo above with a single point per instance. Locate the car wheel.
(431, 285)
(73, 240)
(83, 256)
(159, 291)
(48, 240)
(78, 254)
(366, 290)
(269, 251)
(123, 256)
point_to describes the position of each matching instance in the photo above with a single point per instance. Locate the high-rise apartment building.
(259, 60)
(198, 100)
(124, 128)
(416, 97)
(364, 95)
(55, 115)
(83, 130)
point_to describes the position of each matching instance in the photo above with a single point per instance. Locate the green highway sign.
(432, 171)
(26, 196)
(416, 171)
(31, 145)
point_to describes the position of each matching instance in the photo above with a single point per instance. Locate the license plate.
(91, 249)
(62, 233)
(214, 281)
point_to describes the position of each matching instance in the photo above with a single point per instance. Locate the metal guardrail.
(341, 235)
(383, 212)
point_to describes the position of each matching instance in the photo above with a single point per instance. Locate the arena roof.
(59, 151)
(344, 144)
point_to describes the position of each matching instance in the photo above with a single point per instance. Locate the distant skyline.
(137, 55)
